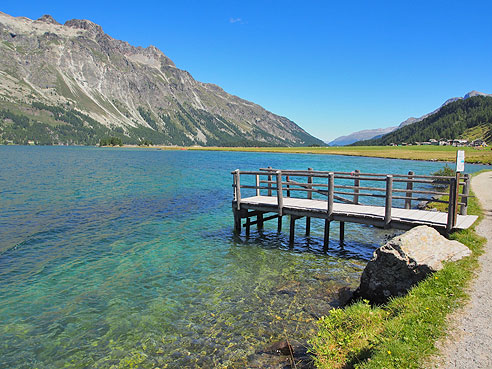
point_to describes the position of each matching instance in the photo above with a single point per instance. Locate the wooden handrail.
(289, 181)
(314, 172)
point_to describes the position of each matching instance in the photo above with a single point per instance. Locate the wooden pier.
(335, 196)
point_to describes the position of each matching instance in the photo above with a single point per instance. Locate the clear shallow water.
(126, 258)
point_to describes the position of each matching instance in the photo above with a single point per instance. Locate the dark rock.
(345, 295)
(84, 24)
(48, 19)
(280, 348)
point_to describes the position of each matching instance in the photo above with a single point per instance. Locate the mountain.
(467, 118)
(360, 135)
(74, 84)
(376, 133)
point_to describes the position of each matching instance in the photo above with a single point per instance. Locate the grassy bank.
(437, 153)
(402, 333)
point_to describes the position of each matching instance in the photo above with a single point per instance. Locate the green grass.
(482, 131)
(434, 153)
(402, 333)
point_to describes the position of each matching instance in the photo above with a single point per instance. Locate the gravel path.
(469, 344)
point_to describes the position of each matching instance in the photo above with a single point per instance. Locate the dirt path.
(469, 344)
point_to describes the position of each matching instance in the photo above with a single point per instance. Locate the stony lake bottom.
(119, 258)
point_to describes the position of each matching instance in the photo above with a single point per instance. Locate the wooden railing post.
(451, 204)
(356, 184)
(456, 198)
(408, 202)
(287, 178)
(257, 177)
(237, 183)
(309, 196)
(310, 182)
(280, 196)
(269, 184)
(389, 200)
(466, 192)
(331, 189)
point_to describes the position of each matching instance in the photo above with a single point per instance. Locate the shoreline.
(367, 151)
(443, 154)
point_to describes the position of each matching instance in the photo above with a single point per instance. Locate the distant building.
(457, 142)
(478, 143)
(433, 142)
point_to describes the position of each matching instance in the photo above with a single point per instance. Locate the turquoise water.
(127, 258)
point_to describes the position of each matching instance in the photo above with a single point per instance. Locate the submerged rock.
(280, 348)
(406, 260)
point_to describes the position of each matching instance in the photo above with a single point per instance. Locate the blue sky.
(332, 67)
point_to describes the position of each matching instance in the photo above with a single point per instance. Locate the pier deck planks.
(400, 218)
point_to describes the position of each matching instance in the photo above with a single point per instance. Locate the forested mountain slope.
(466, 118)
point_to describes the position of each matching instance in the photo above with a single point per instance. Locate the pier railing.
(351, 187)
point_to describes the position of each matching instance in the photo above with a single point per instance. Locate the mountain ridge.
(370, 134)
(469, 119)
(132, 92)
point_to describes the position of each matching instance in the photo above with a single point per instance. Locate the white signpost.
(460, 161)
(453, 199)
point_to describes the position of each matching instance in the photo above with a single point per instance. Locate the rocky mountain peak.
(475, 93)
(84, 24)
(107, 87)
(48, 19)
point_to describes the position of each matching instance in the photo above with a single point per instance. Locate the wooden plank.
(364, 214)
(466, 221)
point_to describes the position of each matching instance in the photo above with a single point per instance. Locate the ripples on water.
(126, 258)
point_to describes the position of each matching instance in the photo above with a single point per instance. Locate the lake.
(119, 258)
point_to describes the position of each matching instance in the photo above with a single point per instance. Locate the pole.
(389, 200)
(408, 202)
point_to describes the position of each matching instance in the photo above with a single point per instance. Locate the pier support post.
(237, 221)
(342, 233)
(329, 210)
(308, 226)
(279, 224)
(292, 230)
(248, 226)
(326, 239)
(259, 220)
(408, 202)
(309, 196)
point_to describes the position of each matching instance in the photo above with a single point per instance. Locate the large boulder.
(406, 260)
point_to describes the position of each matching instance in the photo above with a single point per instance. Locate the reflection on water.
(126, 258)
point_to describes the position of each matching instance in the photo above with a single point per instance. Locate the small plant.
(446, 171)
(347, 335)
